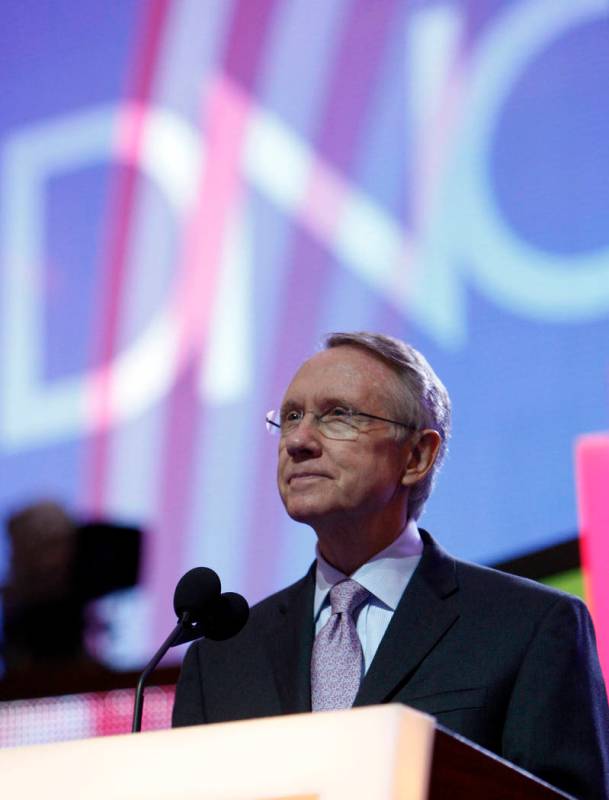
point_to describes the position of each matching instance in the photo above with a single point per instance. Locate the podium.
(386, 752)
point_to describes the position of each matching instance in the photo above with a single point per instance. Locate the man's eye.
(291, 416)
(337, 413)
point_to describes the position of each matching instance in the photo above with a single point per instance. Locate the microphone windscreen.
(225, 616)
(195, 591)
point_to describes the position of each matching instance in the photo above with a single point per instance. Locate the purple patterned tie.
(336, 662)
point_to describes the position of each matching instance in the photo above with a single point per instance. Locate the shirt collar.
(385, 575)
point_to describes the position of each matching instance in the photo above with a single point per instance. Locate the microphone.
(196, 590)
(202, 610)
(224, 617)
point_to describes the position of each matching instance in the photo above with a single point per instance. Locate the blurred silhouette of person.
(57, 567)
(43, 616)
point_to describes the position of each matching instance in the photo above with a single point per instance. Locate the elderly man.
(384, 614)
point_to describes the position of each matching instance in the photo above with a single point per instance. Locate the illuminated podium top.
(378, 753)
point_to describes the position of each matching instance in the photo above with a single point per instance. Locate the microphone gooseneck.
(202, 611)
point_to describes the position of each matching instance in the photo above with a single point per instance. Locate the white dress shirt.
(385, 576)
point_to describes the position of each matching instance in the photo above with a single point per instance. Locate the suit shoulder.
(491, 586)
(511, 588)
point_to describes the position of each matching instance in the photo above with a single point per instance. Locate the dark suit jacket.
(503, 661)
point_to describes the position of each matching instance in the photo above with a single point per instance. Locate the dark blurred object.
(57, 566)
(107, 558)
(544, 563)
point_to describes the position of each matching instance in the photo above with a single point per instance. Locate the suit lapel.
(425, 612)
(289, 643)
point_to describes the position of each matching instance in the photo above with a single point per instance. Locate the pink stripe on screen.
(592, 474)
(227, 113)
(127, 144)
(130, 128)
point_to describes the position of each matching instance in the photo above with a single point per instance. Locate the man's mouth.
(305, 477)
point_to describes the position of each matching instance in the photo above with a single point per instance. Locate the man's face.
(334, 481)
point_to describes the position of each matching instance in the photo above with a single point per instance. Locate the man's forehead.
(338, 372)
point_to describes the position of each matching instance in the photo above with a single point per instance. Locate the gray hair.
(424, 403)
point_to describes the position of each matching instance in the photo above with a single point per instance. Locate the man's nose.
(305, 437)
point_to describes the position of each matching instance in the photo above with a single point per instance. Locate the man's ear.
(421, 452)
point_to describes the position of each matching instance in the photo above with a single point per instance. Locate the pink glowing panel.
(79, 716)
(592, 471)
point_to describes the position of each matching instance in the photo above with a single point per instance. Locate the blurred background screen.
(192, 193)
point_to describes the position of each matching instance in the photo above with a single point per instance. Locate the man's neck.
(347, 549)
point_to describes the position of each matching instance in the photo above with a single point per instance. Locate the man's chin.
(301, 515)
(306, 513)
(309, 506)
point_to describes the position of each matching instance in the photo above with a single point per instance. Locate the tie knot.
(346, 596)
